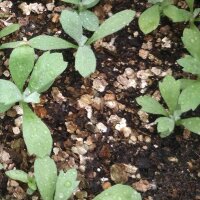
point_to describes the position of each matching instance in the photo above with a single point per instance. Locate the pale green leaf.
(66, 184)
(170, 91)
(190, 98)
(190, 4)
(46, 43)
(85, 61)
(1, 166)
(12, 45)
(90, 3)
(71, 24)
(9, 29)
(18, 175)
(192, 124)
(149, 19)
(89, 20)
(165, 126)
(186, 83)
(29, 97)
(45, 172)
(196, 12)
(112, 25)
(150, 105)
(9, 93)
(48, 67)
(36, 134)
(190, 64)
(76, 2)
(21, 63)
(4, 108)
(155, 1)
(119, 191)
(176, 14)
(191, 40)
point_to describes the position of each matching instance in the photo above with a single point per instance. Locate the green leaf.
(21, 63)
(66, 184)
(36, 135)
(89, 20)
(191, 40)
(71, 24)
(85, 61)
(112, 25)
(119, 192)
(186, 83)
(165, 126)
(29, 97)
(46, 43)
(190, 64)
(76, 2)
(48, 67)
(190, 4)
(149, 19)
(4, 108)
(18, 175)
(192, 124)
(176, 14)
(9, 29)
(12, 45)
(155, 1)
(190, 98)
(150, 105)
(32, 183)
(90, 3)
(196, 12)
(1, 166)
(170, 91)
(9, 93)
(45, 172)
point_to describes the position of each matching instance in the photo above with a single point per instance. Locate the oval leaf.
(190, 98)
(18, 175)
(165, 126)
(9, 93)
(90, 3)
(48, 67)
(119, 192)
(71, 24)
(89, 20)
(170, 91)
(85, 61)
(12, 45)
(112, 25)
(45, 172)
(192, 124)
(4, 108)
(191, 40)
(66, 184)
(9, 29)
(36, 135)
(149, 19)
(176, 14)
(46, 43)
(21, 63)
(150, 105)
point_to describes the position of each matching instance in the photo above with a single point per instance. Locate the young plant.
(89, 20)
(191, 63)
(50, 185)
(150, 18)
(8, 30)
(85, 60)
(178, 103)
(47, 68)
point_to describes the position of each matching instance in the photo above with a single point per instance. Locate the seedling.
(50, 186)
(85, 60)
(47, 68)
(150, 18)
(88, 19)
(8, 30)
(178, 103)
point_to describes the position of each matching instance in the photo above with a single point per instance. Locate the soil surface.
(96, 123)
